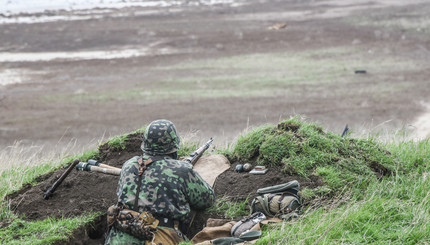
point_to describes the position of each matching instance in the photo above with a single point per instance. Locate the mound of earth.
(84, 192)
(80, 193)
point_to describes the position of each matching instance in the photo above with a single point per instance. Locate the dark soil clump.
(80, 193)
(288, 127)
(380, 170)
(239, 186)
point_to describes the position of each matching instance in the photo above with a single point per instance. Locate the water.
(12, 7)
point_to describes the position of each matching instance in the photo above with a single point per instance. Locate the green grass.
(18, 168)
(304, 149)
(119, 142)
(45, 231)
(393, 210)
(230, 209)
(354, 207)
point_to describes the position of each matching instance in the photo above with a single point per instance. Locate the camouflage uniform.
(169, 190)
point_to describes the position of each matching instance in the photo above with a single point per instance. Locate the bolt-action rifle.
(195, 156)
(94, 166)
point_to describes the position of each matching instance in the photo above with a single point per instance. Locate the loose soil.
(85, 192)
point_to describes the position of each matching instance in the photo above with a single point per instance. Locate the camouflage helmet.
(160, 137)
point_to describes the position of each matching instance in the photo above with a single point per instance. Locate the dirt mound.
(83, 192)
(80, 192)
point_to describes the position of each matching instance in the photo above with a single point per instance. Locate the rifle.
(195, 156)
(57, 183)
(94, 166)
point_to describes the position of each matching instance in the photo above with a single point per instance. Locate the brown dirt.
(84, 192)
(80, 193)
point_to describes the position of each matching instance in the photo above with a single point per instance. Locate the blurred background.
(76, 72)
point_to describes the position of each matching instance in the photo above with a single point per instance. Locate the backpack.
(281, 201)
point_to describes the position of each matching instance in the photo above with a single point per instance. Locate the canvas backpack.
(281, 201)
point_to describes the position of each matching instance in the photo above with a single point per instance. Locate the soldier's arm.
(127, 173)
(198, 192)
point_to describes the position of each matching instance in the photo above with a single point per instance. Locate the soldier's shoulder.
(133, 159)
(178, 163)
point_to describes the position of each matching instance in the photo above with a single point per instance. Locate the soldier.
(167, 189)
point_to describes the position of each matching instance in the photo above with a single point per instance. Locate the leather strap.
(142, 168)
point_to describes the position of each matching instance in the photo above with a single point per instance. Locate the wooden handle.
(110, 170)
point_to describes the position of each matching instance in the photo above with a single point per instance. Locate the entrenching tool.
(57, 183)
(99, 164)
(94, 166)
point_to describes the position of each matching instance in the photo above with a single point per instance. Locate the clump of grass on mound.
(120, 143)
(304, 149)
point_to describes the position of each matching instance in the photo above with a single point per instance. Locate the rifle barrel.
(195, 156)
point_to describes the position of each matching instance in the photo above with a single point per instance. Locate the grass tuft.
(230, 209)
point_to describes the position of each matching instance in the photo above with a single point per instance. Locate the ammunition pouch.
(140, 225)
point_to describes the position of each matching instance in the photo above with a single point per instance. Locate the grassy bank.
(392, 210)
(20, 166)
(356, 205)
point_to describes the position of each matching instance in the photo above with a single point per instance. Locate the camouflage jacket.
(170, 188)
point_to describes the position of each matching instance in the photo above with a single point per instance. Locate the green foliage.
(305, 149)
(414, 156)
(248, 145)
(118, 142)
(230, 209)
(187, 148)
(45, 231)
(84, 157)
(392, 211)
